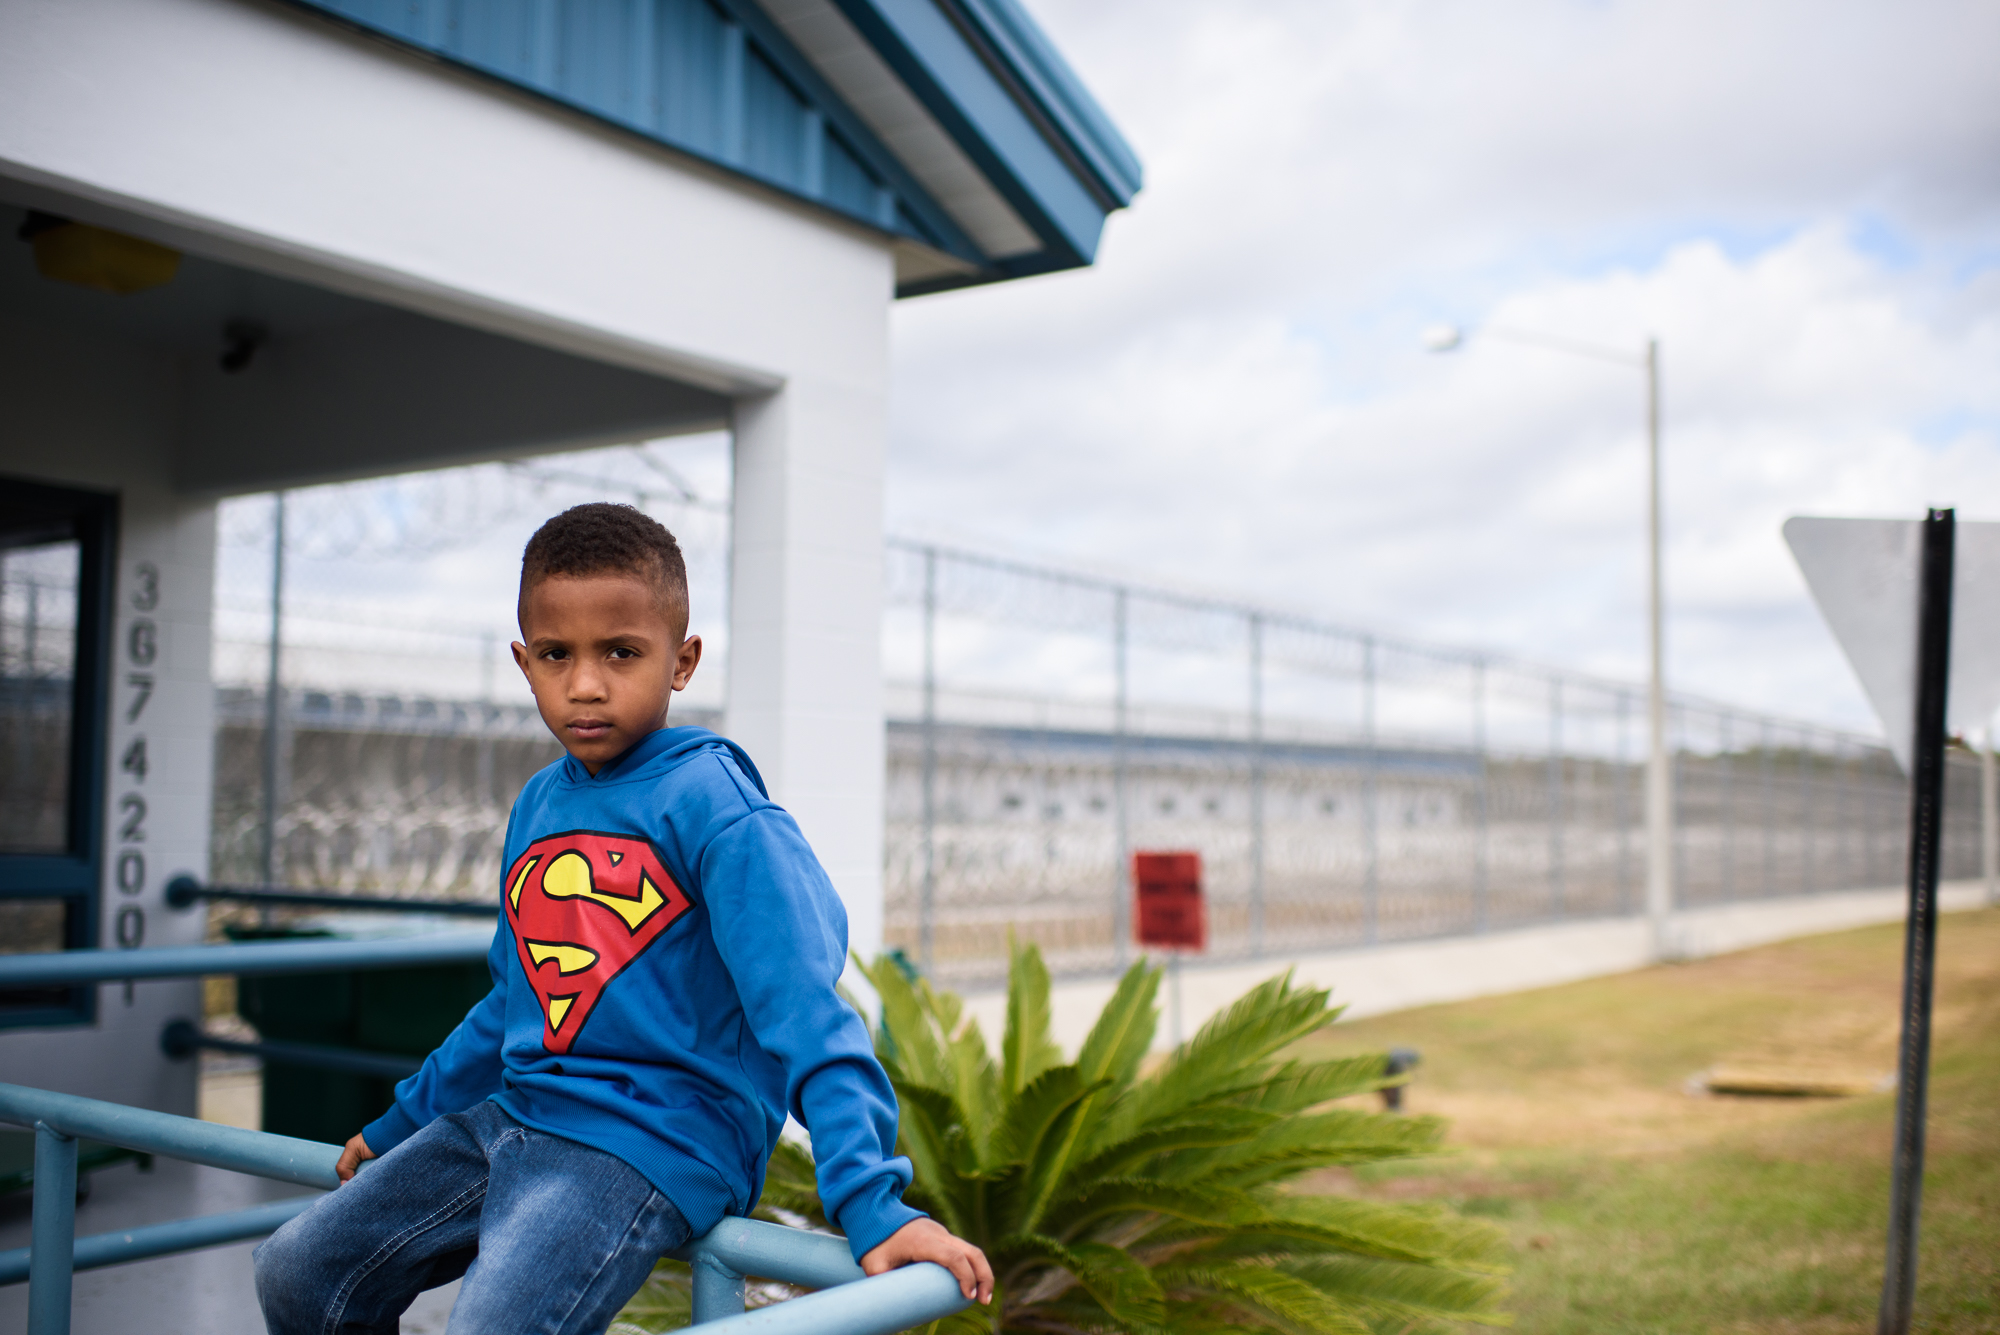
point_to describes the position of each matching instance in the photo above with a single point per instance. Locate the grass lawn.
(1635, 1205)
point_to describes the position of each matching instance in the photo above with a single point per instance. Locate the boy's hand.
(351, 1158)
(928, 1240)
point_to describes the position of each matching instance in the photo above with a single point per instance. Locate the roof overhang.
(954, 126)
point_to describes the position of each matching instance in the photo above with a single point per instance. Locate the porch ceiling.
(341, 386)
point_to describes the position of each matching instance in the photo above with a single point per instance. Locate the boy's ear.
(686, 661)
(520, 652)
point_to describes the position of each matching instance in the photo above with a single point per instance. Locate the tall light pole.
(1659, 767)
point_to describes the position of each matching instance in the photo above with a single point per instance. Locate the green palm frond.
(1296, 1086)
(664, 1302)
(1408, 1291)
(1209, 1207)
(1395, 1232)
(1203, 1129)
(1284, 1301)
(1026, 1049)
(1123, 1035)
(1227, 1059)
(1122, 1288)
(1306, 1141)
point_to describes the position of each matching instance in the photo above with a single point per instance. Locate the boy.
(663, 995)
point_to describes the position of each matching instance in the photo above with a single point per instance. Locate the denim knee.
(291, 1289)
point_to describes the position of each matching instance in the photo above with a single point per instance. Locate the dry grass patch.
(1637, 1206)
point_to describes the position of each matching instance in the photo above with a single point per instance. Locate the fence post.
(927, 903)
(1256, 785)
(1555, 798)
(1622, 815)
(1121, 891)
(273, 703)
(1371, 888)
(489, 649)
(1677, 756)
(1870, 844)
(52, 1255)
(1806, 850)
(1482, 851)
(1989, 820)
(1728, 733)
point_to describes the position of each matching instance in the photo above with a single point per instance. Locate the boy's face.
(603, 656)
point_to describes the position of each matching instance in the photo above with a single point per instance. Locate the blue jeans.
(551, 1236)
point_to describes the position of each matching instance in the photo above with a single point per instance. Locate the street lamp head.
(1443, 337)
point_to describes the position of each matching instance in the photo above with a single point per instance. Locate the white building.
(362, 237)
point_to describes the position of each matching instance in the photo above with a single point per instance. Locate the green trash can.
(406, 1012)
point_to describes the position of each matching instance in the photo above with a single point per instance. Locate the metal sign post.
(1927, 742)
(1916, 609)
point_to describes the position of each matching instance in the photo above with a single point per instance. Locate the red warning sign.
(1168, 889)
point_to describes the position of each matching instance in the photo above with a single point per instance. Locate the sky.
(1801, 202)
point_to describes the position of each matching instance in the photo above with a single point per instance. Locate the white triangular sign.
(1863, 575)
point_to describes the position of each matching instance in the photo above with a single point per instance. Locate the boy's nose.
(586, 685)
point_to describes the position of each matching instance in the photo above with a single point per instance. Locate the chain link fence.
(1342, 788)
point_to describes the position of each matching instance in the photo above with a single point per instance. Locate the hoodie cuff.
(869, 1216)
(389, 1130)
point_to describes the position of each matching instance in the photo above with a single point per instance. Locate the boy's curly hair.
(599, 536)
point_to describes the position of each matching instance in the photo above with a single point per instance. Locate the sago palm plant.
(1112, 1197)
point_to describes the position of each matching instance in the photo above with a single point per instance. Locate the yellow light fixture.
(74, 252)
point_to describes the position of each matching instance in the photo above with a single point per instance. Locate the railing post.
(718, 1290)
(54, 1232)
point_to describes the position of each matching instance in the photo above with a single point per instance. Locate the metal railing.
(59, 968)
(849, 1304)
(182, 1038)
(185, 891)
(733, 1249)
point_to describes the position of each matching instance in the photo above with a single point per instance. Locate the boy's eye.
(555, 655)
(623, 651)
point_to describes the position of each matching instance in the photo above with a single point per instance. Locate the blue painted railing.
(262, 958)
(847, 1304)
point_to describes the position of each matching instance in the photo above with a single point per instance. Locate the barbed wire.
(423, 514)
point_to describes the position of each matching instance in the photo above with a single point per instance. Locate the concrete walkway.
(1375, 980)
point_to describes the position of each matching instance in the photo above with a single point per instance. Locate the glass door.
(55, 564)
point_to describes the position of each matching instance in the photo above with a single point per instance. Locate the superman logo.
(583, 906)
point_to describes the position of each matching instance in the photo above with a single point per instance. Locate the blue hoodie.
(663, 990)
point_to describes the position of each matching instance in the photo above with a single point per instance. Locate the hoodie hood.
(657, 753)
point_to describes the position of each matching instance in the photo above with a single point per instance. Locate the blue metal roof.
(723, 81)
